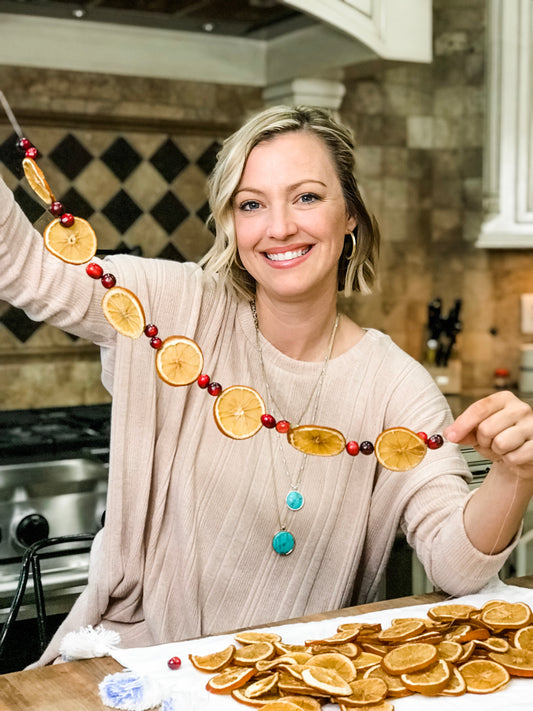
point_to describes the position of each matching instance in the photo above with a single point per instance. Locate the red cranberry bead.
(203, 381)
(423, 436)
(174, 663)
(23, 144)
(150, 330)
(66, 219)
(268, 421)
(94, 270)
(108, 281)
(352, 448)
(57, 209)
(156, 342)
(283, 426)
(366, 447)
(214, 389)
(435, 441)
(32, 153)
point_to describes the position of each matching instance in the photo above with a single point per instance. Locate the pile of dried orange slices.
(456, 649)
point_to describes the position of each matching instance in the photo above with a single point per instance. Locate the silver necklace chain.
(271, 401)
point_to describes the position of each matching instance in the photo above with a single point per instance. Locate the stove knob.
(32, 528)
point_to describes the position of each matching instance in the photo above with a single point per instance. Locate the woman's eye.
(309, 197)
(249, 205)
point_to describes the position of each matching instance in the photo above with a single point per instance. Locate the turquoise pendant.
(283, 542)
(294, 500)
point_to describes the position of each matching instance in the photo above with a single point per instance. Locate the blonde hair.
(356, 274)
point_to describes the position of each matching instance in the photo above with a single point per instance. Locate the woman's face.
(290, 217)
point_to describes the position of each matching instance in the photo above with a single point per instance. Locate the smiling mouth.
(287, 256)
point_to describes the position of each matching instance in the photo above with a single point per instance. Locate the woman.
(198, 525)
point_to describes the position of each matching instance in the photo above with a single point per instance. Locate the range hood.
(336, 34)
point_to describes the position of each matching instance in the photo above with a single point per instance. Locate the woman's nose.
(281, 222)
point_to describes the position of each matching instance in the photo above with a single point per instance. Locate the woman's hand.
(500, 428)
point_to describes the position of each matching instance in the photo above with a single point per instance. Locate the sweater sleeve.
(46, 288)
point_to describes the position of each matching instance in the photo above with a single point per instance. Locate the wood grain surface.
(74, 686)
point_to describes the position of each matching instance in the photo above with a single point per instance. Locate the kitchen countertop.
(74, 686)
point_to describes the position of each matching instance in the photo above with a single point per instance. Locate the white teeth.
(286, 256)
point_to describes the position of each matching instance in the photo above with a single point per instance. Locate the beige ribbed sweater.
(186, 549)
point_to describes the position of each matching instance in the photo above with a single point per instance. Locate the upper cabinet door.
(393, 29)
(508, 150)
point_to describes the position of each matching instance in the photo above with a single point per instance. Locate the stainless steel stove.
(53, 482)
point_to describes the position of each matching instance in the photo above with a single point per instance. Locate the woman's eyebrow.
(294, 186)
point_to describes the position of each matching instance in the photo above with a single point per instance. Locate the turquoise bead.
(294, 500)
(283, 542)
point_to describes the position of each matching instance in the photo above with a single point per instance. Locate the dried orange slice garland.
(260, 671)
(239, 411)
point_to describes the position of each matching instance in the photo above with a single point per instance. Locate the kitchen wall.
(419, 131)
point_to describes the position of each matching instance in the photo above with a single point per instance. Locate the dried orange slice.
(409, 657)
(507, 615)
(212, 662)
(327, 680)
(454, 612)
(394, 683)
(288, 685)
(179, 361)
(493, 644)
(306, 703)
(369, 691)
(75, 244)
(430, 681)
(337, 662)
(382, 706)
(281, 705)
(124, 311)
(38, 183)
(251, 637)
(483, 676)
(518, 662)
(262, 686)
(230, 678)
(450, 651)
(349, 649)
(399, 449)
(240, 695)
(252, 653)
(523, 638)
(319, 441)
(365, 660)
(237, 412)
(337, 638)
(402, 630)
(456, 685)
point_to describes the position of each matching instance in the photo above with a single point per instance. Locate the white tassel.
(88, 642)
(130, 691)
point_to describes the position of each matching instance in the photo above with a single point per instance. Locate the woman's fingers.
(498, 425)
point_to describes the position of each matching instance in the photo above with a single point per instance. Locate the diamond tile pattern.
(77, 204)
(19, 324)
(117, 181)
(169, 160)
(70, 156)
(121, 158)
(10, 155)
(122, 211)
(169, 212)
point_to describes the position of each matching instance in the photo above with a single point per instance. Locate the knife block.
(448, 377)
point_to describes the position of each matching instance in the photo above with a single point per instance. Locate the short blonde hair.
(356, 274)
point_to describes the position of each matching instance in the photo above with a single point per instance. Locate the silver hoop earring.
(354, 245)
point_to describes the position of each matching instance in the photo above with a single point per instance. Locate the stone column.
(325, 93)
